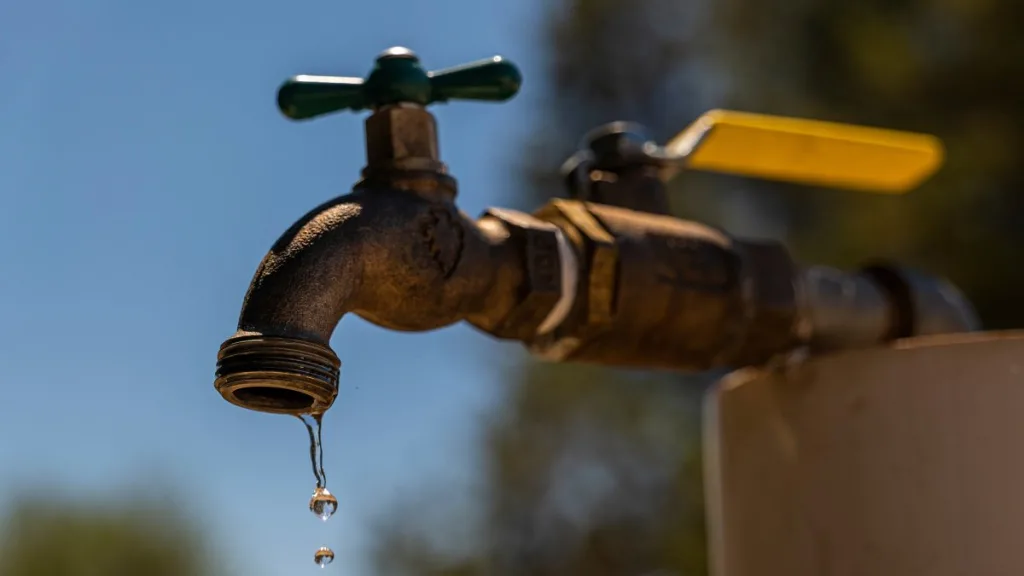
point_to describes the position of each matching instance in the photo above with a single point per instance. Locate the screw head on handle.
(398, 77)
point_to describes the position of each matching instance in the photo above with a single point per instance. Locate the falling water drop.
(314, 426)
(323, 503)
(323, 556)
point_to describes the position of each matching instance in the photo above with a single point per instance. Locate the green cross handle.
(398, 77)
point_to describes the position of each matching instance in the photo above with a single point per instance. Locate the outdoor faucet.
(607, 277)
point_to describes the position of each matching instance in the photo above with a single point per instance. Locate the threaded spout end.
(277, 375)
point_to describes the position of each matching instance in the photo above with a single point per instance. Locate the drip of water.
(323, 556)
(313, 423)
(323, 503)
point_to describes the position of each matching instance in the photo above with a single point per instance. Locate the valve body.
(613, 280)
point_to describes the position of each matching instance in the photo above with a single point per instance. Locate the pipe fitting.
(402, 138)
(277, 375)
(402, 153)
(923, 305)
(881, 303)
(659, 292)
(549, 285)
(843, 310)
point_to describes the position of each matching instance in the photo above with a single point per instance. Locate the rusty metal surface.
(770, 324)
(250, 374)
(900, 460)
(402, 137)
(394, 258)
(605, 284)
(659, 292)
(537, 243)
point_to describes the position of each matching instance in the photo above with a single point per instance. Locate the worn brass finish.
(659, 292)
(541, 288)
(277, 375)
(601, 257)
(607, 278)
(771, 320)
(395, 258)
(402, 137)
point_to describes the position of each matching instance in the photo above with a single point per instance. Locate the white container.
(903, 461)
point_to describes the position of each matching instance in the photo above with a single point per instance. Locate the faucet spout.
(401, 260)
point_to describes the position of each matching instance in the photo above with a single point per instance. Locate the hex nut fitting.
(402, 137)
(599, 260)
(538, 245)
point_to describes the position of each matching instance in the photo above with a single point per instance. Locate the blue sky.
(145, 171)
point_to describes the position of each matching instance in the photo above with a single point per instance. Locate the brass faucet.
(607, 277)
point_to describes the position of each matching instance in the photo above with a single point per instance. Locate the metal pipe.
(576, 281)
(878, 304)
(843, 310)
(394, 258)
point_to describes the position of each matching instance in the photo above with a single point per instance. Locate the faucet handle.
(796, 150)
(398, 77)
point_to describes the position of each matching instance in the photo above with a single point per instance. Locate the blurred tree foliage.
(588, 473)
(44, 536)
(948, 67)
(594, 472)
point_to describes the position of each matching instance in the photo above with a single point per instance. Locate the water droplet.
(314, 428)
(323, 503)
(323, 556)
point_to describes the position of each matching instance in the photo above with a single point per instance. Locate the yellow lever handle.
(806, 152)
